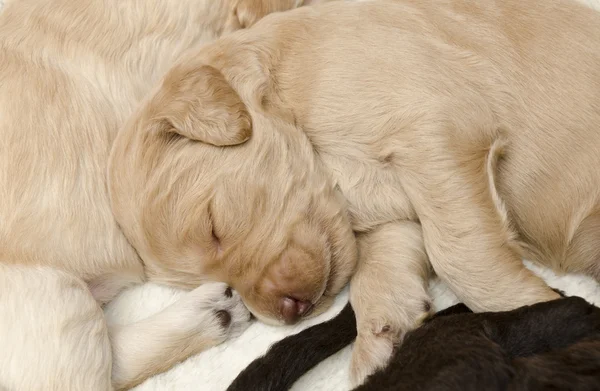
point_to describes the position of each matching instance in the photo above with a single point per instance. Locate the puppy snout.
(292, 309)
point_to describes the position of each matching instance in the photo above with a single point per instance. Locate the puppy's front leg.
(199, 320)
(388, 293)
(449, 176)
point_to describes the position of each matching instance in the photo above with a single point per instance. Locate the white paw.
(222, 312)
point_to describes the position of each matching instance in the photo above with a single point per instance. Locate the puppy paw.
(219, 310)
(232, 314)
(371, 351)
(377, 338)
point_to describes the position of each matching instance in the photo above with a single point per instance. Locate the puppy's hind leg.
(447, 171)
(52, 332)
(388, 293)
(201, 319)
(583, 253)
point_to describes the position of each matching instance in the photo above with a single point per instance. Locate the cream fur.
(46, 315)
(477, 122)
(71, 73)
(394, 257)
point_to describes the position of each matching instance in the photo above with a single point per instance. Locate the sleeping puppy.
(454, 137)
(553, 344)
(71, 73)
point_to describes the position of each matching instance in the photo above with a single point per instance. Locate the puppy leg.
(388, 293)
(52, 332)
(583, 253)
(105, 288)
(201, 319)
(450, 181)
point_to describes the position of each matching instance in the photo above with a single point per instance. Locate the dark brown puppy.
(553, 345)
(287, 360)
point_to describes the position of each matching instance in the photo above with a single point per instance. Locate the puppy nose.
(292, 309)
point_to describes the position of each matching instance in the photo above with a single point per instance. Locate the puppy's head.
(206, 188)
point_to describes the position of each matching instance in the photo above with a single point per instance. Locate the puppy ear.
(201, 105)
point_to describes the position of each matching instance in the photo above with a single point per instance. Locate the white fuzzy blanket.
(213, 370)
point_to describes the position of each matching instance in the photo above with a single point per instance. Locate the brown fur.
(460, 130)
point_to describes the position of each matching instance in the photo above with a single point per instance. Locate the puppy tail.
(491, 169)
(287, 360)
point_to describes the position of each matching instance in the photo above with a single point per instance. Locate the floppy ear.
(200, 104)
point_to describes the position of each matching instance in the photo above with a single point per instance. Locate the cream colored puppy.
(457, 134)
(71, 73)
